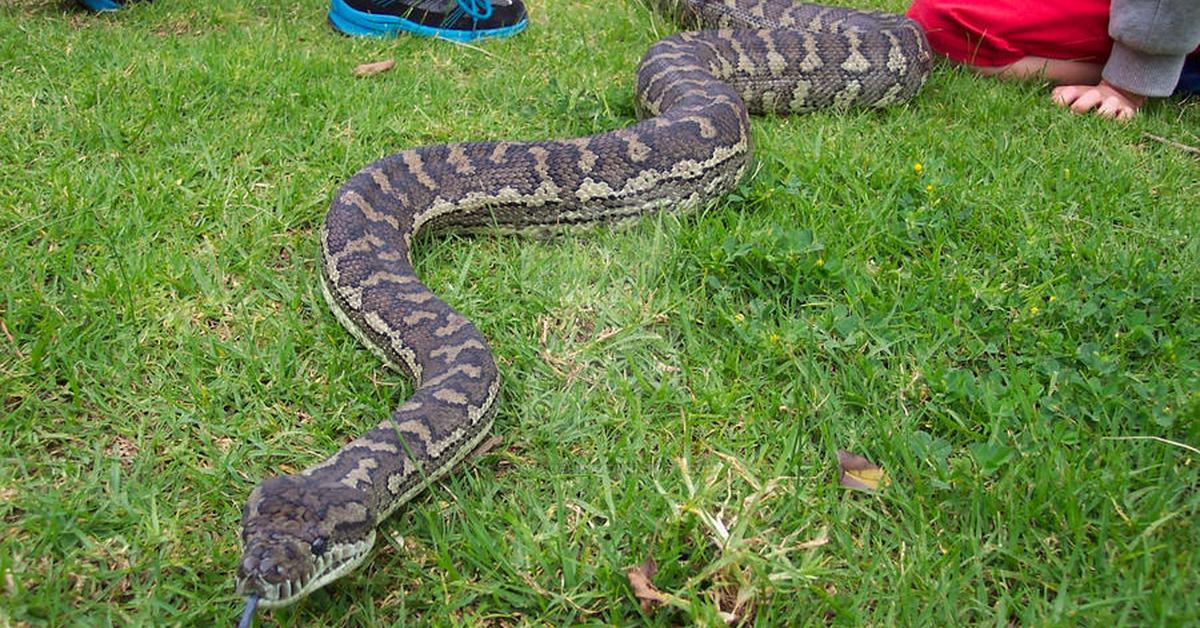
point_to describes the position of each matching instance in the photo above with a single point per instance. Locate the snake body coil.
(300, 532)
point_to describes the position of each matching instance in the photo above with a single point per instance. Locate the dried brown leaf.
(639, 579)
(817, 542)
(123, 449)
(487, 446)
(371, 69)
(855, 471)
(12, 341)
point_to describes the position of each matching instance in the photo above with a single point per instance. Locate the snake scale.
(695, 90)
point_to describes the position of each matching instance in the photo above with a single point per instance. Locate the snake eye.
(318, 546)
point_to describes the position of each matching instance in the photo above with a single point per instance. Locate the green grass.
(984, 329)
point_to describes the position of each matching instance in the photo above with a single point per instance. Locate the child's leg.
(1065, 41)
(1057, 71)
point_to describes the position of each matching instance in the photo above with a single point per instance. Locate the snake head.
(298, 535)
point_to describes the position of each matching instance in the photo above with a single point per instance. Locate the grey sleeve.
(1150, 40)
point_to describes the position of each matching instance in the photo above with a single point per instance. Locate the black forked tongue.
(248, 615)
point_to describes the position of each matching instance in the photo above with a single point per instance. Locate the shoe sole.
(100, 5)
(354, 22)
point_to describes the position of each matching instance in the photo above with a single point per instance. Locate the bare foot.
(1108, 100)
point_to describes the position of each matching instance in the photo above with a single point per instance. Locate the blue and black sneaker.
(102, 5)
(459, 20)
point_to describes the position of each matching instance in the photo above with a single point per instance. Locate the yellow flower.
(917, 167)
(929, 188)
(820, 261)
(1034, 310)
(739, 317)
(1053, 298)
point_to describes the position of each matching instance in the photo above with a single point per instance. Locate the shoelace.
(477, 9)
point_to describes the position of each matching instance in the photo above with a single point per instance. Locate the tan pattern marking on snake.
(381, 179)
(360, 473)
(855, 62)
(450, 352)
(358, 201)
(458, 158)
(454, 323)
(416, 166)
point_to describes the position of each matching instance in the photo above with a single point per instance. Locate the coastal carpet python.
(695, 90)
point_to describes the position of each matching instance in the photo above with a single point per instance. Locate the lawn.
(996, 301)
